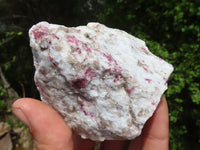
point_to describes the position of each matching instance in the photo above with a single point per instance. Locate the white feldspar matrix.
(104, 82)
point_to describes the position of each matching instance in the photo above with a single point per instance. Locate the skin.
(50, 132)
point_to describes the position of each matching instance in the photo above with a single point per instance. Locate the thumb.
(47, 127)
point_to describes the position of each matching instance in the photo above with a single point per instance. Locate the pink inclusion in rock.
(40, 87)
(41, 32)
(89, 73)
(153, 103)
(80, 83)
(118, 69)
(73, 39)
(145, 50)
(79, 51)
(160, 59)
(42, 72)
(117, 78)
(50, 57)
(86, 48)
(148, 80)
(165, 79)
(83, 109)
(129, 91)
(52, 60)
(38, 34)
(145, 69)
(86, 99)
(110, 58)
(54, 36)
(85, 112)
(92, 115)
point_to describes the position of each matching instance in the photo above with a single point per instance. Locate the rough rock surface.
(103, 81)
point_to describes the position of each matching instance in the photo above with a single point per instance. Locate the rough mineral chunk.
(103, 81)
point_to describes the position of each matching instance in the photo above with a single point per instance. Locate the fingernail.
(19, 113)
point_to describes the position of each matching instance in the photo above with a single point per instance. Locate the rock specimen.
(103, 81)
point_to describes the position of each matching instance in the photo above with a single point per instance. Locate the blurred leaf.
(19, 33)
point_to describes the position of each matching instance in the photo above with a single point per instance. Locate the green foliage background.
(171, 30)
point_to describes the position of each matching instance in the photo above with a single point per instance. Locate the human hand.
(50, 132)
